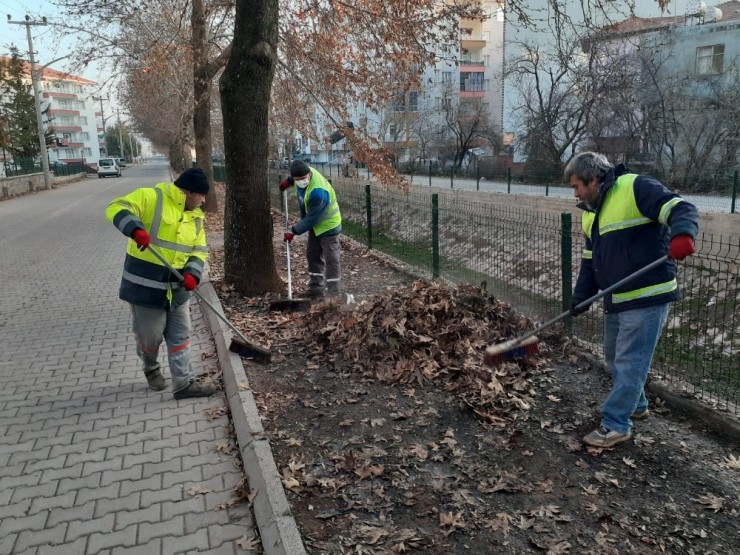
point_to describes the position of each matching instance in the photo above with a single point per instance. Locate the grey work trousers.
(150, 326)
(323, 262)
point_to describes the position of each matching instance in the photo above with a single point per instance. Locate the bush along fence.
(531, 260)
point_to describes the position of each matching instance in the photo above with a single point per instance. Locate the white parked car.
(108, 166)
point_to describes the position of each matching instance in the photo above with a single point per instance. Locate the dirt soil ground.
(393, 438)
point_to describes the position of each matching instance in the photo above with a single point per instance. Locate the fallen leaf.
(198, 490)
(712, 502)
(248, 544)
(243, 386)
(731, 463)
(629, 462)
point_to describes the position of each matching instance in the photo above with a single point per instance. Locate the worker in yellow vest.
(630, 220)
(320, 217)
(167, 217)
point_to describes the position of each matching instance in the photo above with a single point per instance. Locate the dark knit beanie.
(193, 180)
(299, 169)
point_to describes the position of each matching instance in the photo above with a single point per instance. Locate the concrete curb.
(277, 527)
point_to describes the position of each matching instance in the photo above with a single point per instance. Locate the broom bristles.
(510, 350)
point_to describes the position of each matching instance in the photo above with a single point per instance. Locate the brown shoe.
(196, 389)
(155, 379)
(642, 415)
(604, 437)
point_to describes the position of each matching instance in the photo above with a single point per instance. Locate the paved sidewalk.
(91, 461)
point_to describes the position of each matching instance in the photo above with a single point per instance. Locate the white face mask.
(303, 183)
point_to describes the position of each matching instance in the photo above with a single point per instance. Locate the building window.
(413, 101)
(446, 76)
(68, 153)
(399, 102)
(710, 59)
(392, 130)
(487, 60)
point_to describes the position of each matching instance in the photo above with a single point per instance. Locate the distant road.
(704, 203)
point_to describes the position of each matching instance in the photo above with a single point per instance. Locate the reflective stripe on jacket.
(331, 217)
(629, 229)
(177, 234)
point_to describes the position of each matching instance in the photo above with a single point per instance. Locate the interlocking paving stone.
(89, 456)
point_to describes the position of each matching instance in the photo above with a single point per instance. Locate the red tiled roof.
(53, 74)
(730, 12)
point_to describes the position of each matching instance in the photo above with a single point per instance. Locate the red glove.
(141, 238)
(681, 247)
(288, 236)
(189, 282)
(286, 183)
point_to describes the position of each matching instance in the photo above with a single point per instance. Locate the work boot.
(314, 293)
(196, 389)
(155, 379)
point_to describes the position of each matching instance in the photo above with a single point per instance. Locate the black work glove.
(578, 311)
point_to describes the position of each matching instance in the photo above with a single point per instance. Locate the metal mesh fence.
(531, 260)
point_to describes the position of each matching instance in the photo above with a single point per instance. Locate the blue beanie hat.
(193, 180)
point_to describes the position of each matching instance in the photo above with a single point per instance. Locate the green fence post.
(566, 264)
(547, 189)
(369, 210)
(477, 177)
(323, 171)
(452, 177)
(368, 173)
(734, 193)
(508, 180)
(430, 173)
(435, 235)
(412, 172)
(194, 163)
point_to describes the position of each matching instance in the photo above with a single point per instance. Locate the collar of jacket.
(177, 196)
(610, 178)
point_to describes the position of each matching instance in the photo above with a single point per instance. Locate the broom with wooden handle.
(526, 344)
(240, 345)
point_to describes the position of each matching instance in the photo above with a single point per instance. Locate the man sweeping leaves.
(630, 221)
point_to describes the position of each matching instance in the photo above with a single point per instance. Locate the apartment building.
(415, 123)
(71, 114)
(69, 110)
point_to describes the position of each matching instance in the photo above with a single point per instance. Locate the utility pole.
(102, 117)
(131, 146)
(35, 81)
(120, 135)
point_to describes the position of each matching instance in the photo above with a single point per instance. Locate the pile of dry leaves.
(426, 333)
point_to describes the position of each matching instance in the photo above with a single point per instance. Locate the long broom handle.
(587, 302)
(217, 312)
(287, 244)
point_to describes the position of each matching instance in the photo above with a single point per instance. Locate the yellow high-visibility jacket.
(177, 234)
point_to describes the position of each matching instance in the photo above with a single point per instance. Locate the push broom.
(526, 344)
(240, 344)
(291, 304)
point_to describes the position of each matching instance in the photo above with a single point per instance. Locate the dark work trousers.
(323, 262)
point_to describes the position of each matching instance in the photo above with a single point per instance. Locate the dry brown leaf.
(248, 543)
(420, 451)
(629, 462)
(451, 521)
(376, 422)
(711, 502)
(198, 490)
(243, 386)
(731, 463)
(293, 442)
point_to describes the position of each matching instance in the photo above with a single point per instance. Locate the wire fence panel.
(531, 259)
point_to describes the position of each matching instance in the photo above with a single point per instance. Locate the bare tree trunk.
(202, 100)
(245, 85)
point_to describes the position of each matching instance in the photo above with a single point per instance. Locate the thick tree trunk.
(202, 100)
(245, 85)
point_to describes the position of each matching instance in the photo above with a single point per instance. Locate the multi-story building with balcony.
(69, 111)
(415, 124)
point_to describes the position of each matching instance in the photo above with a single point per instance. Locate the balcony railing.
(472, 87)
(474, 38)
(472, 63)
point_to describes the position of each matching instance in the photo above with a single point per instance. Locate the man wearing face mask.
(320, 217)
(629, 221)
